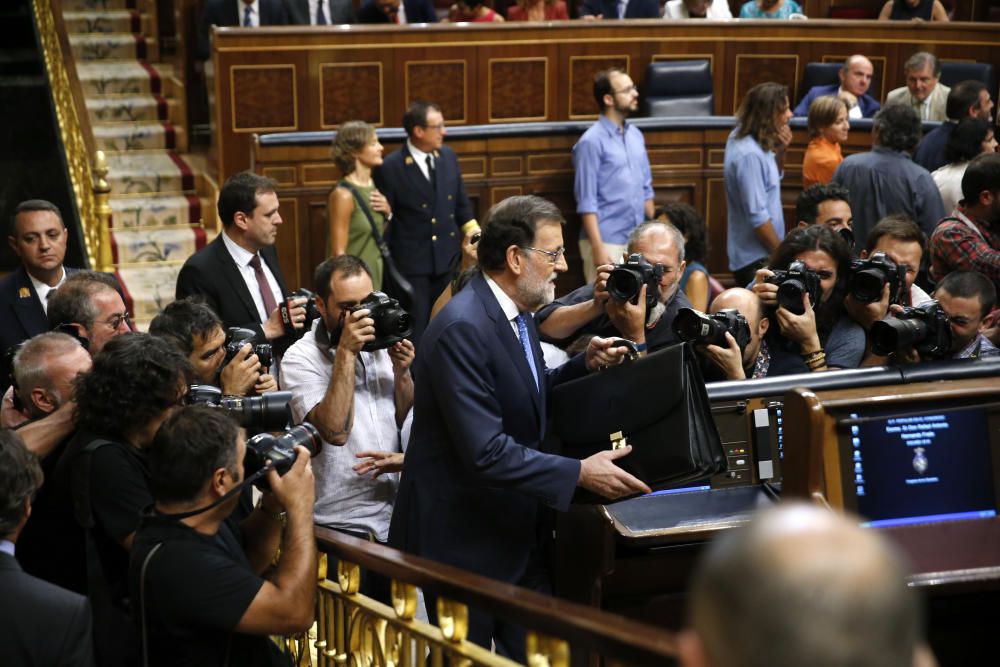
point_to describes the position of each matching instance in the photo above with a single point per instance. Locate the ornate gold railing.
(360, 632)
(74, 127)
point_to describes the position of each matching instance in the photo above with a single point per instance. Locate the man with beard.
(590, 310)
(358, 399)
(474, 484)
(613, 184)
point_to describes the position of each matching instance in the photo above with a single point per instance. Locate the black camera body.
(868, 276)
(925, 328)
(626, 280)
(237, 337)
(792, 283)
(268, 411)
(279, 450)
(392, 322)
(312, 312)
(693, 326)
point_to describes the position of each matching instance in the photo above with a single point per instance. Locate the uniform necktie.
(246, 17)
(265, 289)
(320, 14)
(431, 175)
(522, 334)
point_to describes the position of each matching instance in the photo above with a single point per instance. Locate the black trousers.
(373, 584)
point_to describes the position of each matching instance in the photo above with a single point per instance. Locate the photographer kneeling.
(195, 571)
(730, 337)
(620, 302)
(217, 359)
(805, 287)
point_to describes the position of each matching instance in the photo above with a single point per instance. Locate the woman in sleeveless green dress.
(356, 151)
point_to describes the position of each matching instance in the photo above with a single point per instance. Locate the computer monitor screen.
(904, 468)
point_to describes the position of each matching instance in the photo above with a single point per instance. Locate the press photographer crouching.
(805, 288)
(730, 337)
(195, 572)
(637, 299)
(952, 327)
(231, 362)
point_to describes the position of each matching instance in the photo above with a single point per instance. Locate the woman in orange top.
(828, 127)
(538, 10)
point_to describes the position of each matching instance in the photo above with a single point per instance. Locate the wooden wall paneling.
(351, 91)
(581, 68)
(289, 240)
(444, 78)
(751, 69)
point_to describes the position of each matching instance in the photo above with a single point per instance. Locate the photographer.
(102, 479)
(826, 204)
(197, 331)
(968, 298)
(358, 399)
(813, 331)
(197, 593)
(590, 310)
(733, 362)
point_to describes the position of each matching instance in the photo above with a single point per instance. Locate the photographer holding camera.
(731, 336)
(637, 300)
(805, 286)
(195, 571)
(352, 381)
(197, 331)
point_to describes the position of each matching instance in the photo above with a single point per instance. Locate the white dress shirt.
(242, 258)
(420, 158)
(507, 305)
(254, 12)
(43, 290)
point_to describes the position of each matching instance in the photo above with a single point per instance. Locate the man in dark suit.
(38, 236)
(392, 11)
(40, 624)
(856, 79)
(620, 9)
(320, 12)
(431, 212)
(238, 272)
(238, 13)
(474, 483)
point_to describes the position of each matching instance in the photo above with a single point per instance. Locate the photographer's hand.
(601, 353)
(378, 463)
(402, 355)
(358, 330)
(265, 383)
(296, 489)
(239, 375)
(800, 329)
(601, 295)
(767, 292)
(297, 311)
(629, 318)
(470, 254)
(867, 314)
(729, 359)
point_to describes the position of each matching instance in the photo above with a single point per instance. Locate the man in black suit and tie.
(431, 212)
(474, 483)
(320, 12)
(38, 237)
(238, 272)
(394, 11)
(40, 624)
(239, 13)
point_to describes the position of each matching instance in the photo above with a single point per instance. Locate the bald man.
(801, 585)
(855, 80)
(733, 363)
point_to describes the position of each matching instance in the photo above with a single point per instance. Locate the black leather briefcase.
(655, 403)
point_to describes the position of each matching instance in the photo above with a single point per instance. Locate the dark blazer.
(417, 11)
(930, 150)
(336, 12)
(20, 310)
(867, 103)
(41, 624)
(636, 9)
(473, 479)
(424, 234)
(212, 273)
(225, 13)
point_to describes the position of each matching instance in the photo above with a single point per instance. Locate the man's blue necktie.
(522, 333)
(320, 14)
(246, 17)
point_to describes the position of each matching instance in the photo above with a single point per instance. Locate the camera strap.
(229, 494)
(142, 603)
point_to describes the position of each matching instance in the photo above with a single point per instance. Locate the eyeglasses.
(553, 255)
(116, 320)
(439, 127)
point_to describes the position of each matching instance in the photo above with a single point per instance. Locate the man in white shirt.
(922, 90)
(697, 9)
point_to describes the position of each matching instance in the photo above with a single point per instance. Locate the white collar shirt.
(242, 258)
(43, 291)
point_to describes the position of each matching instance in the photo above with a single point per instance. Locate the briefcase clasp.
(618, 440)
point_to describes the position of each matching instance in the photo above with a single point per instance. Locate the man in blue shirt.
(755, 155)
(613, 185)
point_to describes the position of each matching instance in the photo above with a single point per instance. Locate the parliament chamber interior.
(117, 116)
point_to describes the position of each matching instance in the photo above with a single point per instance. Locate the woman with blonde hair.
(828, 128)
(356, 151)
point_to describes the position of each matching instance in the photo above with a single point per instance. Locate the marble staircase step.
(136, 136)
(163, 244)
(146, 172)
(113, 46)
(115, 21)
(161, 211)
(126, 77)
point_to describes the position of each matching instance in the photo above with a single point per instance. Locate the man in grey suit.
(320, 12)
(922, 90)
(40, 624)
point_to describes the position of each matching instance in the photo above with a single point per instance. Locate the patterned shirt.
(979, 347)
(750, 10)
(960, 243)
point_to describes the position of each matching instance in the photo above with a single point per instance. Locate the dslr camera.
(267, 411)
(924, 328)
(626, 280)
(237, 337)
(279, 450)
(312, 312)
(392, 323)
(693, 326)
(797, 280)
(868, 276)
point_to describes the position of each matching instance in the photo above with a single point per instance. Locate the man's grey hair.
(31, 363)
(801, 585)
(637, 235)
(920, 60)
(73, 301)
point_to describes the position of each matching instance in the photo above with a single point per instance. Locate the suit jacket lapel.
(415, 175)
(232, 274)
(27, 305)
